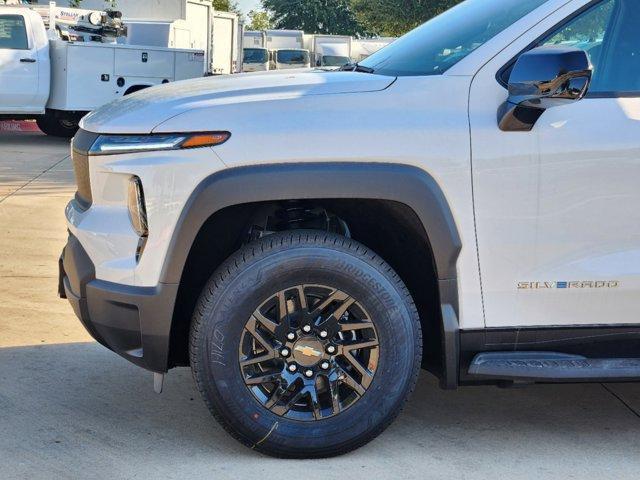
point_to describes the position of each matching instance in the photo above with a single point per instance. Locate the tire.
(318, 264)
(58, 125)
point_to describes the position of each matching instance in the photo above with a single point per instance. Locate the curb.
(18, 126)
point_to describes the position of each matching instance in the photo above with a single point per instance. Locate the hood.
(141, 112)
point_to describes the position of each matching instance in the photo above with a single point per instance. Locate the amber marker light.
(205, 140)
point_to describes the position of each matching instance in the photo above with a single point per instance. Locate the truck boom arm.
(91, 25)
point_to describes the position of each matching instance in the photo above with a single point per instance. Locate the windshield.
(443, 41)
(255, 55)
(293, 57)
(335, 61)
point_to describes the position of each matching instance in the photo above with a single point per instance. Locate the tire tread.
(251, 252)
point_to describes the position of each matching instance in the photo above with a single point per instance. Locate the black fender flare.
(409, 185)
(405, 184)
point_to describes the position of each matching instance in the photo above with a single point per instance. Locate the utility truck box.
(192, 24)
(362, 48)
(158, 33)
(170, 23)
(254, 39)
(332, 51)
(227, 43)
(279, 39)
(87, 75)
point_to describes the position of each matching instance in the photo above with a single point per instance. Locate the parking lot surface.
(69, 408)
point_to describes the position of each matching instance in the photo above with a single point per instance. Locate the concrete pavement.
(71, 409)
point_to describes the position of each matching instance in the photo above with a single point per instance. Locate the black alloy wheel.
(309, 352)
(305, 344)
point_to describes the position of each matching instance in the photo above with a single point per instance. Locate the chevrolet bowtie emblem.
(308, 351)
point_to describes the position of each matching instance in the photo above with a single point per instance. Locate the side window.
(609, 33)
(586, 32)
(13, 32)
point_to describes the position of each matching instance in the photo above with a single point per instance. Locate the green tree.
(259, 20)
(226, 6)
(314, 16)
(75, 3)
(589, 27)
(396, 17)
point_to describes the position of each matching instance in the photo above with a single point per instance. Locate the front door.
(18, 66)
(558, 208)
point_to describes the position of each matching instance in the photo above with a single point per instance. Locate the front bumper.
(134, 322)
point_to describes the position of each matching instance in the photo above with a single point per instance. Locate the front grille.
(81, 169)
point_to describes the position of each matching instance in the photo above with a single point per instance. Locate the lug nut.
(325, 365)
(291, 336)
(306, 328)
(331, 349)
(285, 352)
(293, 367)
(324, 334)
(308, 373)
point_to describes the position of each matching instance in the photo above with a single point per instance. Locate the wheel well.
(390, 229)
(135, 88)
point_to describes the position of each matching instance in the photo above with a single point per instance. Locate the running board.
(552, 366)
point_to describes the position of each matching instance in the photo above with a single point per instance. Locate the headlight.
(116, 144)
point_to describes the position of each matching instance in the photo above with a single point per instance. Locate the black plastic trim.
(83, 141)
(612, 95)
(401, 183)
(450, 348)
(590, 341)
(80, 146)
(134, 322)
(536, 366)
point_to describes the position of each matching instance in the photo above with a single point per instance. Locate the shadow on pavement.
(79, 411)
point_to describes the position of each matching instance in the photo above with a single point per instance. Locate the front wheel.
(305, 344)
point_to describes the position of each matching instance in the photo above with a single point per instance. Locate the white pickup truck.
(59, 81)
(470, 205)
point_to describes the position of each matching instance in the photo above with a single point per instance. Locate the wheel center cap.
(307, 351)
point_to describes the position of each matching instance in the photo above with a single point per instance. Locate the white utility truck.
(57, 81)
(191, 24)
(286, 49)
(255, 54)
(331, 51)
(362, 48)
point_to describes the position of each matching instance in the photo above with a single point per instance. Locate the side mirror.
(542, 78)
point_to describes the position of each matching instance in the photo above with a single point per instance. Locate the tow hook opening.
(158, 382)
